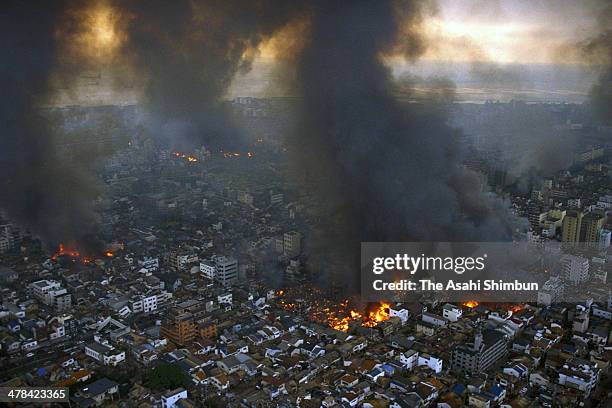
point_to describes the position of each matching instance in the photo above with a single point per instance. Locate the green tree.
(167, 377)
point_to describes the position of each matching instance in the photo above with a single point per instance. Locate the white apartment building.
(41, 288)
(430, 361)
(57, 331)
(574, 269)
(181, 260)
(148, 303)
(143, 304)
(580, 375)
(149, 263)
(551, 291)
(105, 354)
(51, 293)
(451, 312)
(225, 298)
(605, 202)
(207, 268)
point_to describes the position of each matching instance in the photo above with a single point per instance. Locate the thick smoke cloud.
(384, 170)
(38, 189)
(595, 52)
(189, 52)
(600, 49)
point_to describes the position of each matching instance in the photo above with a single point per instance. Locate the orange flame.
(336, 315)
(62, 251)
(340, 324)
(373, 318)
(75, 255)
(191, 159)
(471, 304)
(516, 308)
(379, 315)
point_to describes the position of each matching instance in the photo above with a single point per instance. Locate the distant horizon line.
(458, 102)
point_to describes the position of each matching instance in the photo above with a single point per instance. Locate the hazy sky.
(538, 34)
(459, 31)
(508, 31)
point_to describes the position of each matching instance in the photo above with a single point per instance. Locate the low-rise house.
(409, 359)
(517, 370)
(479, 401)
(426, 328)
(432, 362)
(451, 312)
(171, 398)
(105, 354)
(96, 393)
(434, 319)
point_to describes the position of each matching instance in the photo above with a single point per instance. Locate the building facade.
(488, 348)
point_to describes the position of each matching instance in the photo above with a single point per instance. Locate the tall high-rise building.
(605, 237)
(536, 216)
(292, 243)
(185, 322)
(571, 226)
(226, 269)
(10, 236)
(276, 197)
(180, 328)
(592, 224)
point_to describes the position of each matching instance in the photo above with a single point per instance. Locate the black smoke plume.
(382, 169)
(599, 48)
(189, 52)
(38, 189)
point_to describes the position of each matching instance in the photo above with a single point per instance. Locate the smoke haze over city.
(388, 203)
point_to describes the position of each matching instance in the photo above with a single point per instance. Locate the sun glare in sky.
(508, 31)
